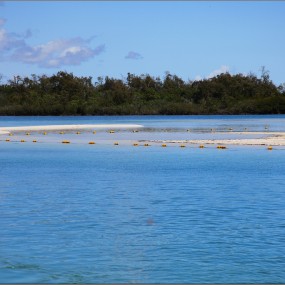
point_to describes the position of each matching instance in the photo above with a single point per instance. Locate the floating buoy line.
(136, 144)
(144, 143)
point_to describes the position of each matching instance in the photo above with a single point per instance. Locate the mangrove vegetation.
(66, 94)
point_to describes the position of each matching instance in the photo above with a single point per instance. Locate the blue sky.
(192, 39)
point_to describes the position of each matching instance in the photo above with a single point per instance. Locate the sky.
(191, 39)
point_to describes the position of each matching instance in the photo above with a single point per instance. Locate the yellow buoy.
(116, 143)
(61, 133)
(111, 132)
(94, 132)
(34, 141)
(78, 133)
(10, 134)
(270, 148)
(65, 141)
(135, 144)
(44, 133)
(7, 140)
(163, 145)
(146, 144)
(201, 146)
(183, 145)
(91, 142)
(27, 134)
(22, 140)
(221, 147)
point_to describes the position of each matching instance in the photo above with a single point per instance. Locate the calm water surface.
(251, 122)
(103, 214)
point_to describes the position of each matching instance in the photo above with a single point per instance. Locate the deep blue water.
(103, 214)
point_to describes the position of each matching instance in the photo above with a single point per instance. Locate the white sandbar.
(273, 139)
(5, 130)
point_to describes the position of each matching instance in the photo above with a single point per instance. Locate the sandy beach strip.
(5, 130)
(269, 141)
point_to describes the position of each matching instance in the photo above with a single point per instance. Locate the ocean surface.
(121, 214)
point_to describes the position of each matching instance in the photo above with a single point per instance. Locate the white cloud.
(8, 41)
(133, 55)
(222, 69)
(55, 53)
(198, 78)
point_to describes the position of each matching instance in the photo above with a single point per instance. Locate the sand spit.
(274, 139)
(5, 130)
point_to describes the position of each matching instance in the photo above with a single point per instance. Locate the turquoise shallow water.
(81, 214)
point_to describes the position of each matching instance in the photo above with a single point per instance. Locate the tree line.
(66, 94)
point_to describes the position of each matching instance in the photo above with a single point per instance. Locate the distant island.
(66, 94)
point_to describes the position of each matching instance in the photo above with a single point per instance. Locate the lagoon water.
(219, 122)
(103, 214)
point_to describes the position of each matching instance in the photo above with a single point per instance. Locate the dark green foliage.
(66, 94)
